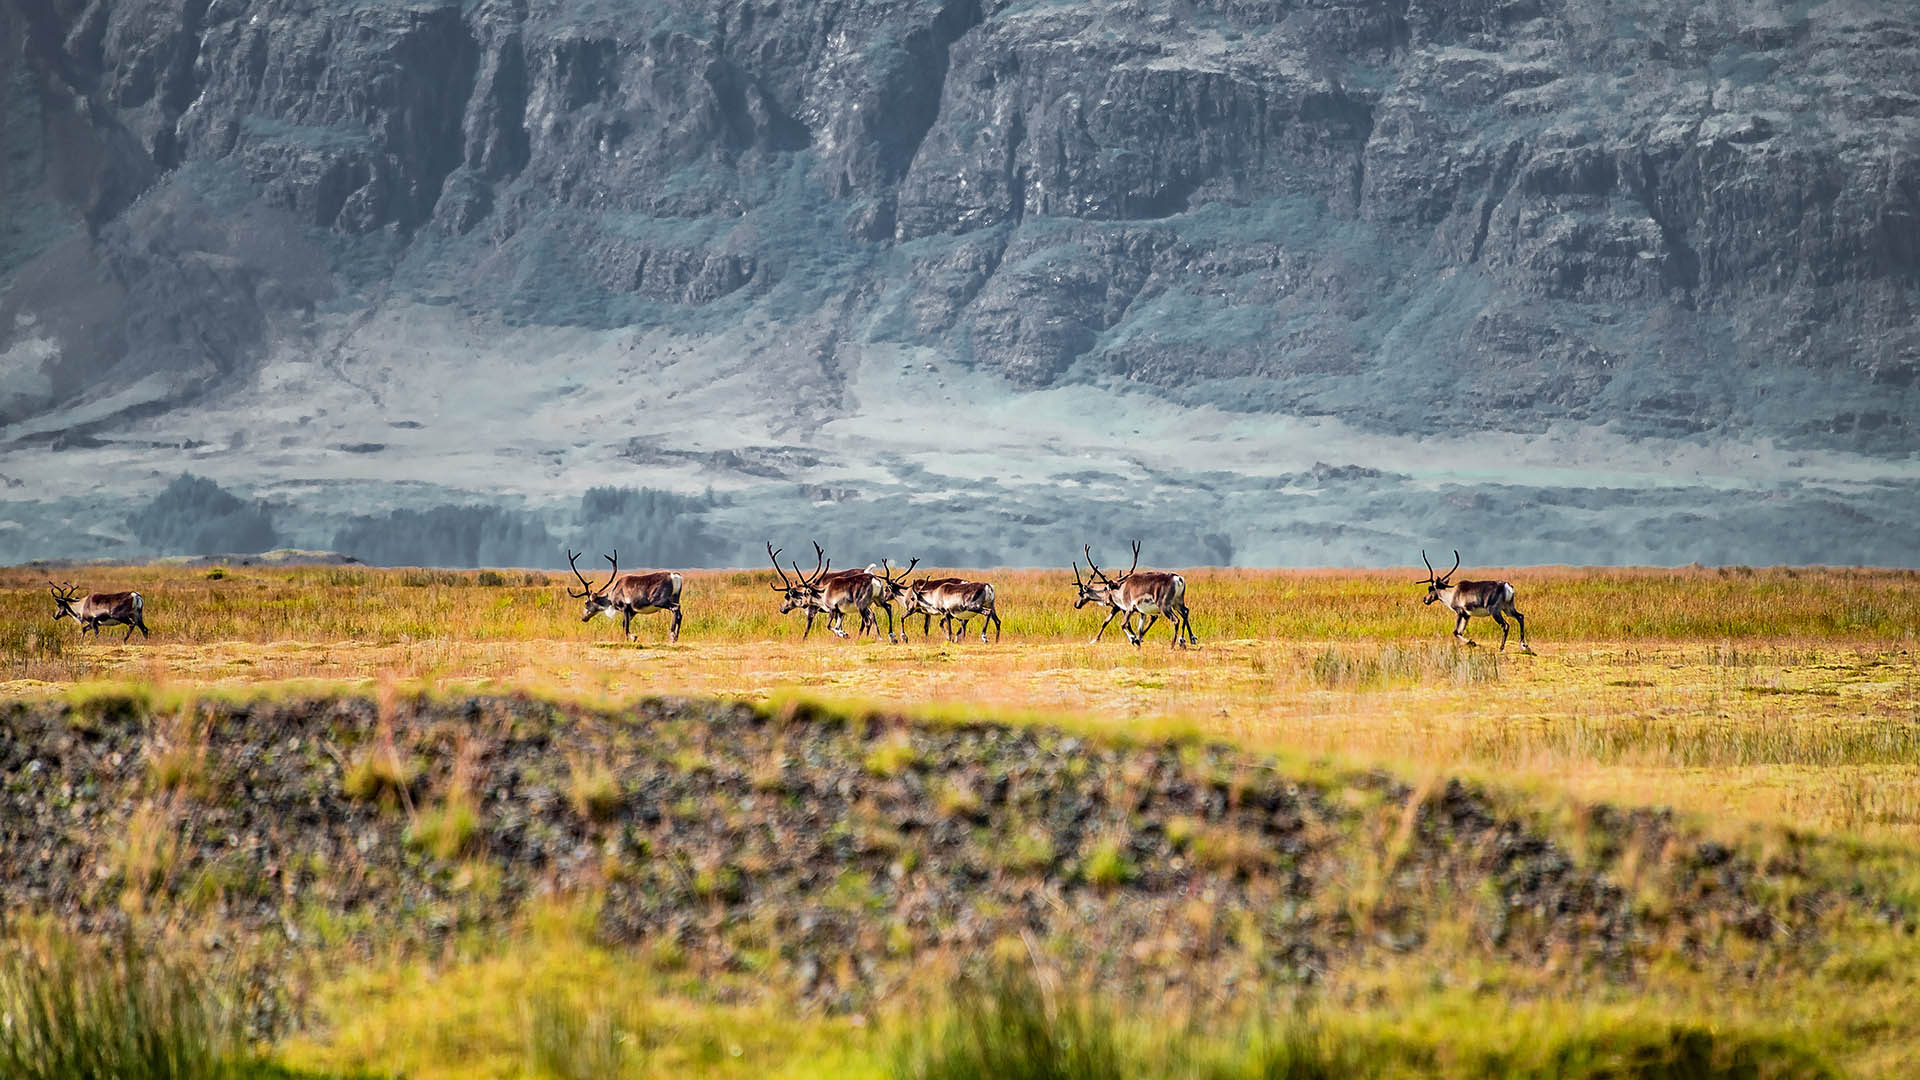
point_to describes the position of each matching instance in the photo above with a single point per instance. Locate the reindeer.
(915, 602)
(1468, 598)
(829, 594)
(952, 598)
(888, 587)
(118, 608)
(1151, 593)
(628, 595)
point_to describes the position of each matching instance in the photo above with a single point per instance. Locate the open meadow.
(1775, 712)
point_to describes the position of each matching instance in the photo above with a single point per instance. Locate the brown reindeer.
(914, 602)
(1468, 598)
(951, 599)
(825, 593)
(1149, 593)
(628, 595)
(93, 609)
(888, 585)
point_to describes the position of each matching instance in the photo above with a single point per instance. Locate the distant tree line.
(650, 528)
(449, 536)
(647, 527)
(195, 516)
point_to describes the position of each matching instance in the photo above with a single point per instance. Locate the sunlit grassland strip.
(1623, 605)
(1786, 696)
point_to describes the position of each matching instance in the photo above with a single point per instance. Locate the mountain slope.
(568, 239)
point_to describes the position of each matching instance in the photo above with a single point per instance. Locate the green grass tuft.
(69, 1012)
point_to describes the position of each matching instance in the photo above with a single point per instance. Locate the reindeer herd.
(837, 595)
(1140, 597)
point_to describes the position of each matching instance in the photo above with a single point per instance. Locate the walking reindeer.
(824, 593)
(93, 609)
(628, 595)
(951, 599)
(1468, 598)
(1150, 593)
(888, 585)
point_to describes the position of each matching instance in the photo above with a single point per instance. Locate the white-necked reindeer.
(628, 595)
(1468, 598)
(889, 585)
(822, 592)
(951, 599)
(1150, 593)
(90, 611)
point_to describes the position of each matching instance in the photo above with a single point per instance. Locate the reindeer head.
(802, 589)
(1436, 584)
(64, 597)
(888, 583)
(596, 598)
(1100, 588)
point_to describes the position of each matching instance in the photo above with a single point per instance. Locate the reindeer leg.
(888, 608)
(1460, 628)
(673, 632)
(626, 623)
(142, 622)
(1503, 627)
(129, 636)
(809, 629)
(1103, 626)
(993, 614)
(1522, 620)
(1151, 619)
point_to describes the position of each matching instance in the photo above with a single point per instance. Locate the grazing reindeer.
(119, 608)
(952, 598)
(1467, 598)
(824, 593)
(1151, 593)
(628, 595)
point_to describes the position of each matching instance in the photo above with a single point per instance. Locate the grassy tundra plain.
(1776, 711)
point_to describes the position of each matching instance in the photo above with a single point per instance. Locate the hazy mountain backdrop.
(1293, 282)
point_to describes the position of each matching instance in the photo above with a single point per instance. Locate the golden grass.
(1782, 696)
(1749, 698)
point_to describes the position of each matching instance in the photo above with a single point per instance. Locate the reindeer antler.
(774, 554)
(584, 583)
(615, 560)
(1136, 562)
(897, 582)
(1098, 575)
(1448, 574)
(1076, 574)
(1429, 577)
(821, 564)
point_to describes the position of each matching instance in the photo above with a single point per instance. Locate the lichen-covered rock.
(830, 851)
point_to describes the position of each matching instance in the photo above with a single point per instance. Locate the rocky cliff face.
(1696, 220)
